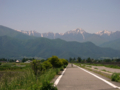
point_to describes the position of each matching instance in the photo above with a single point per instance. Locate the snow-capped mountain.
(31, 33)
(77, 31)
(104, 32)
(79, 35)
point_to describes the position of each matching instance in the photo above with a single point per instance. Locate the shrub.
(61, 69)
(48, 86)
(42, 68)
(47, 64)
(36, 66)
(64, 66)
(65, 62)
(55, 61)
(57, 70)
(115, 77)
(0, 63)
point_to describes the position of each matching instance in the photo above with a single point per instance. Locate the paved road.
(77, 79)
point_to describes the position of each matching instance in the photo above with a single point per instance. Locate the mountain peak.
(104, 32)
(76, 31)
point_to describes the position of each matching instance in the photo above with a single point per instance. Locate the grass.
(104, 70)
(110, 66)
(26, 80)
(13, 66)
(115, 77)
(22, 77)
(95, 68)
(89, 66)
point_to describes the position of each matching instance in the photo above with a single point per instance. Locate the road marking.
(58, 79)
(109, 83)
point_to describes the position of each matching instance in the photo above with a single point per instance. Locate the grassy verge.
(115, 77)
(13, 66)
(26, 80)
(34, 76)
(110, 66)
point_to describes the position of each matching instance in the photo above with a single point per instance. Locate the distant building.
(17, 61)
(28, 61)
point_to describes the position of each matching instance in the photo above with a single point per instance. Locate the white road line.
(58, 79)
(109, 83)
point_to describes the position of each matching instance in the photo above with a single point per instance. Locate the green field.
(23, 76)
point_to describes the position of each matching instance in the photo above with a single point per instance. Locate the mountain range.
(14, 44)
(79, 35)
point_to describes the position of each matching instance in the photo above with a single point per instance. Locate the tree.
(37, 67)
(47, 64)
(79, 59)
(64, 61)
(55, 61)
(24, 60)
(89, 60)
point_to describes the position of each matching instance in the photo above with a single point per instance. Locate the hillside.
(43, 47)
(5, 31)
(115, 44)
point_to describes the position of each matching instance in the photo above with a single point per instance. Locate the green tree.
(64, 61)
(89, 60)
(79, 59)
(47, 64)
(37, 67)
(55, 61)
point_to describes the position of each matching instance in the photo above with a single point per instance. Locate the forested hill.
(43, 47)
(5, 31)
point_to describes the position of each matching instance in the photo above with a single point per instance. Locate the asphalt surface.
(77, 79)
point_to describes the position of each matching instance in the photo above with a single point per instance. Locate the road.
(77, 79)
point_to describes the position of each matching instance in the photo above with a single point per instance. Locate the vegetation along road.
(77, 79)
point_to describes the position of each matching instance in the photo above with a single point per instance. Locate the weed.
(89, 66)
(104, 70)
(48, 86)
(115, 77)
(95, 68)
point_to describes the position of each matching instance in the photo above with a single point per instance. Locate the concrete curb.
(58, 79)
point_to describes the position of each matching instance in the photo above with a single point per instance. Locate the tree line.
(91, 60)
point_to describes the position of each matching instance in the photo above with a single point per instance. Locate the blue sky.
(60, 15)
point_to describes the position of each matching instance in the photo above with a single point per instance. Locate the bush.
(42, 68)
(61, 69)
(36, 66)
(48, 86)
(57, 70)
(47, 64)
(65, 62)
(115, 77)
(55, 61)
(0, 63)
(64, 66)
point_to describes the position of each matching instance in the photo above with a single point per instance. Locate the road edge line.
(109, 83)
(58, 79)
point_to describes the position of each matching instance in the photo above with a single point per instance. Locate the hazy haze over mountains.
(15, 44)
(79, 35)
